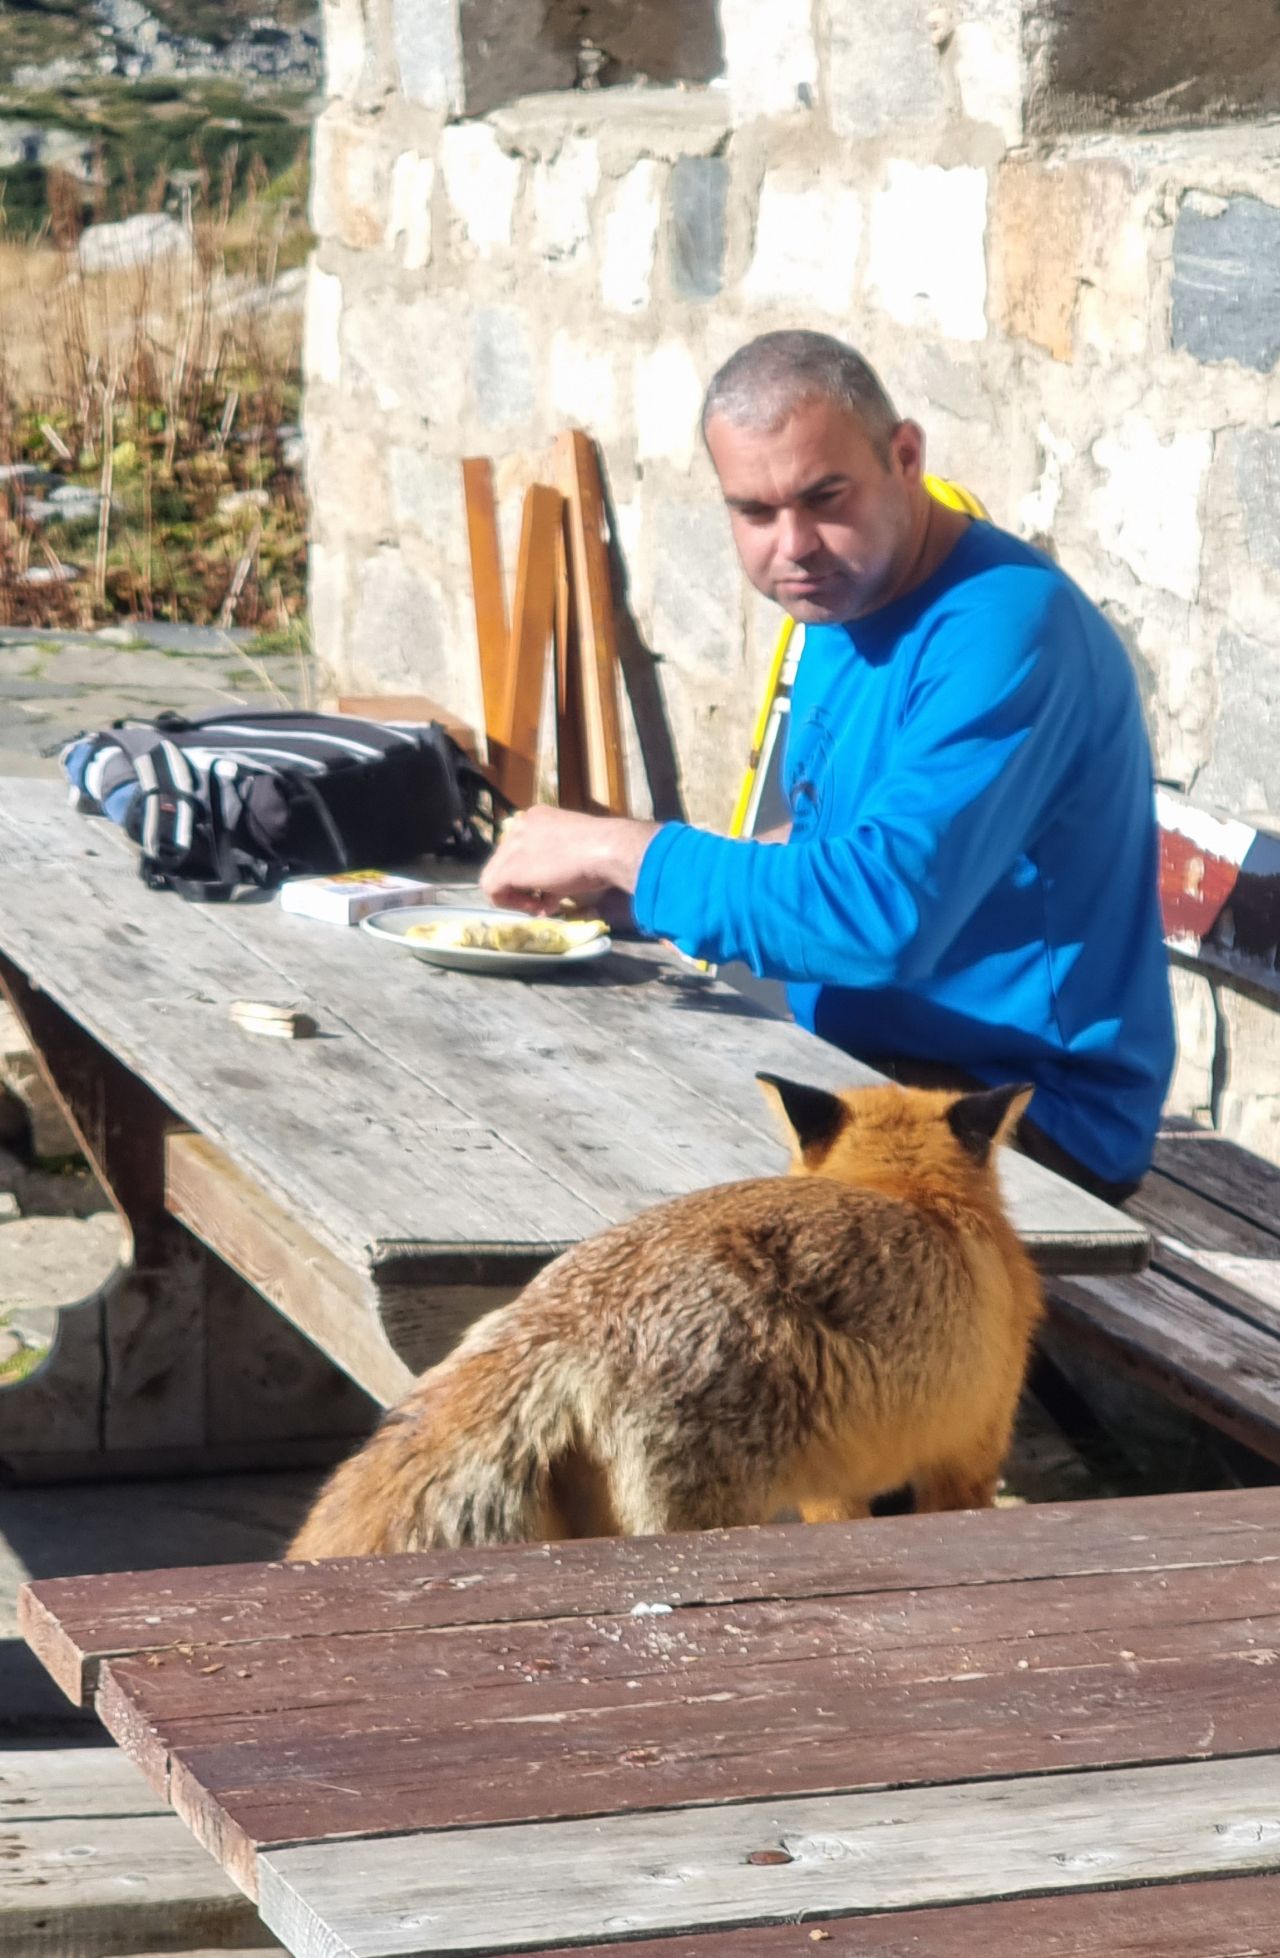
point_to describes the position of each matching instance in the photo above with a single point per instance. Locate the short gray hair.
(760, 385)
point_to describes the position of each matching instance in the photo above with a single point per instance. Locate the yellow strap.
(955, 496)
(740, 807)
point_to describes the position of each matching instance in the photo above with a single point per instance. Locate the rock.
(237, 501)
(629, 240)
(699, 185)
(501, 367)
(27, 478)
(48, 1262)
(50, 574)
(1226, 281)
(143, 239)
(23, 1081)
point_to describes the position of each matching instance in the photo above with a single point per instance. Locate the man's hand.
(548, 854)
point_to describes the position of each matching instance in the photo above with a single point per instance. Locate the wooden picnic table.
(1052, 1729)
(443, 1137)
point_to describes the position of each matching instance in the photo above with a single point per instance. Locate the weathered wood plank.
(1219, 1366)
(541, 1885)
(425, 1752)
(42, 1784)
(94, 1864)
(154, 980)
(1234, 1917)
(75, 1623)
(532, 621)
(571, 785)
(1240, 1182)
(488, 591)
(579, 478)
(334, 1306)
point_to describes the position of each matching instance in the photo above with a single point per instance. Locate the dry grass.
(169, 389)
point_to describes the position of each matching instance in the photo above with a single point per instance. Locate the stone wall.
(1054, 228)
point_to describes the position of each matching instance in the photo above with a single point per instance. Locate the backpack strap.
(181, 816)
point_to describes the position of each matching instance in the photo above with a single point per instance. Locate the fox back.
(792, 1344)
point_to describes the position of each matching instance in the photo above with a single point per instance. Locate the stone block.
(584, 388)
(987, 62)
(883, 71)
(481, 181)
(427, 45)
(697, 593)
(409, 354)
(351, 185)
(1068, 254)
(350, 56)
(1191, 1090)
(1249, 1110)
(771, 63)
(1255, 456)
(321, 344)
(426, 496)
(1146, 511)
(1172, 655)
(409, 209)
(808, 232)
(927, 259)
(1226, 280)
(668, 403)
(1243, 770)
(327, 573)
(398, 622)
(501, 367)
(699, 185)
(563, 190)
(347, 480)
(629, 238)
(1242, 527)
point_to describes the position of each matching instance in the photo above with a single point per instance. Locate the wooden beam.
(532, 620)
(487, 589)
(579, 477)
(221, 1206)
(571, 786)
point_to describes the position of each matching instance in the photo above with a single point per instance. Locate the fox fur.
(796, 1344)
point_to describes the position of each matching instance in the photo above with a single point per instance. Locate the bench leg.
(176, 1364)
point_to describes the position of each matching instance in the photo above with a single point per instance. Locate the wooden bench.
(1202, 1324)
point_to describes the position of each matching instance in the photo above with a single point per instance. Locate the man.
(968, 884)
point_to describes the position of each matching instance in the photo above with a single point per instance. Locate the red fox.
(796, 1343)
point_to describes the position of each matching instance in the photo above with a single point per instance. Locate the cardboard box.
(351, 895)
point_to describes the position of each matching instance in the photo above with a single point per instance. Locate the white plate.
(393, 926)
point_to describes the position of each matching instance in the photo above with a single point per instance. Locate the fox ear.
(813, 1116)
(978, 1120)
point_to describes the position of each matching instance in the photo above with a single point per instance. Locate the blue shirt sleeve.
(995, 715)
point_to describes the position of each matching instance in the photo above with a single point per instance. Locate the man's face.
(822, 523)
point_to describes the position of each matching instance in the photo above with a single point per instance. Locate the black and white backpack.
(226, 799)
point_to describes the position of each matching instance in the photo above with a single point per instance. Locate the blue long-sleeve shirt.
(971, 875)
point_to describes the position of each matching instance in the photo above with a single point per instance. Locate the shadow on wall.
(524, 47)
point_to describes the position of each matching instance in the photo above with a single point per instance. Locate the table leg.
(176, 1363)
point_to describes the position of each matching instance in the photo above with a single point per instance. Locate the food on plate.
(547, 935)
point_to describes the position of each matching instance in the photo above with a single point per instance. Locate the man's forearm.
(546, 855)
